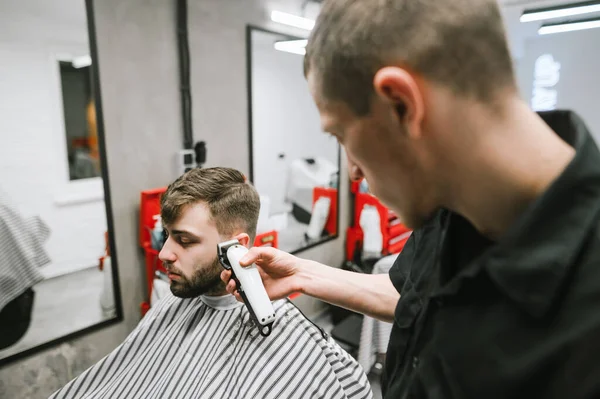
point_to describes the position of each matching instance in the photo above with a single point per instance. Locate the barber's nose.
(354, 171)
(166, 255)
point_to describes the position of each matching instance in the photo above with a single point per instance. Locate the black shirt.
(519, 318)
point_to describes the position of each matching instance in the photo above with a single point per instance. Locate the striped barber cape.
(208, 347)
(22, 251)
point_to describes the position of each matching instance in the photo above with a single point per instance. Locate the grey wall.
(578, 77)
(139, 82)
(579, 84)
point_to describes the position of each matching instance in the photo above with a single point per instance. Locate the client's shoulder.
(289, 316)
(304, 339)
(169, 304)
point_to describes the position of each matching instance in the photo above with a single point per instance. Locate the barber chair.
(365, 338)
(348, 324)
(15, 319)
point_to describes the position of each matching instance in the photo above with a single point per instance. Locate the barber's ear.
(244, 239)
(400, 88)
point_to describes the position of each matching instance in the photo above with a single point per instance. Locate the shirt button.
(415, 362)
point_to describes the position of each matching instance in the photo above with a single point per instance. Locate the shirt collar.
(224, 302)
(531, 262)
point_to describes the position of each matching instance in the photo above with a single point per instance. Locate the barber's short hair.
(460, 44)
(234, 204)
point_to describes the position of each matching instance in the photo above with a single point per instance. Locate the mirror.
(293, 164)
(57, 279)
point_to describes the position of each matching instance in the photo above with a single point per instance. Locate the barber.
(497, 293)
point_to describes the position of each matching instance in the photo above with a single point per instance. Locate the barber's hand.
(278, 270)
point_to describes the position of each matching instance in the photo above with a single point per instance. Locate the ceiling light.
(292, 20)
(569, 26)
(567, 10)
(292, 46)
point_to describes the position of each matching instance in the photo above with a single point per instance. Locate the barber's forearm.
(370, 294)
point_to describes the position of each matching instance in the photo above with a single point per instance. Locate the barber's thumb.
(247, 259)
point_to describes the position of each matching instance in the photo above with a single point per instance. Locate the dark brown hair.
(458, 43)
(233, 202)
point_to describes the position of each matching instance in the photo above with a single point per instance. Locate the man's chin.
(186, 291)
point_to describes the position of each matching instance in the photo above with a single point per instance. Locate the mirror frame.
(249, 30)
(91, 28)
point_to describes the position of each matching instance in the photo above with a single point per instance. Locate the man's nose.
(354, 171)
(166, 255)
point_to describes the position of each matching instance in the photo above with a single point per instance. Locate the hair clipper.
(249, 285)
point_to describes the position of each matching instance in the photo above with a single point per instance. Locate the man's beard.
(206, 280)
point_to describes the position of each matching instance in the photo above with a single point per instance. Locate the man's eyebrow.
(184, 233)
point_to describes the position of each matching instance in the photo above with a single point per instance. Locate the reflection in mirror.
(294, 165)
(56, 275)
(80, 118)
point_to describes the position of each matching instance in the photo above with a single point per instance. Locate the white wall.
(33, 160)
(284, 117)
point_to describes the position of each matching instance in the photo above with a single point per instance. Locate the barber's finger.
(231, 287)
(257, 254)
(238, 296)
(226, 276)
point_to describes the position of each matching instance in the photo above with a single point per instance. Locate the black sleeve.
(419, 251)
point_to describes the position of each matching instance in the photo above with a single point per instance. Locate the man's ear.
(244, 239)
(400, 88)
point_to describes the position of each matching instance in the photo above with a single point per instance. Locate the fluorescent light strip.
(293, 43)
(566, 11)
(292, 46)
(292, 20)
(299, 51)
(568, 27)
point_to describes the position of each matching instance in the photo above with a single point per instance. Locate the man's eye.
(184, 242)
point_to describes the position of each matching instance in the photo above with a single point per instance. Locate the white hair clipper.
(249, 285)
